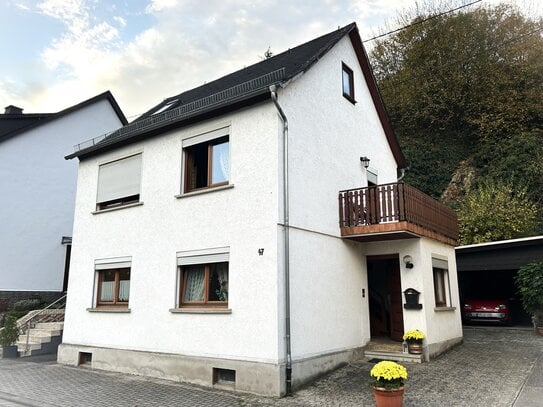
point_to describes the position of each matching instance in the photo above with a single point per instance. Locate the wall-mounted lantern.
(408, 261)
(412, 299)
(365, 161)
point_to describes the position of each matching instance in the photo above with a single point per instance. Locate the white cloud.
(190, 43)
(159, 5)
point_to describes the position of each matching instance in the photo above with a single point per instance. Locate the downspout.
(273, 90)
(402, 174)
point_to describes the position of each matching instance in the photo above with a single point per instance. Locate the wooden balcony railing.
(397, 202)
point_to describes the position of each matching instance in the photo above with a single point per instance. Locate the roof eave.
(214, 111)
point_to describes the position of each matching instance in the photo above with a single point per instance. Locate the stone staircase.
(41, 330)
(388, 350)
(42, 338)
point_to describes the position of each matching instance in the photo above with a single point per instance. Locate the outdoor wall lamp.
(408, 260)
(260, 252)
(365, 161)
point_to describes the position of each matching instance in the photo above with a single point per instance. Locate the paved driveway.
(494, 367)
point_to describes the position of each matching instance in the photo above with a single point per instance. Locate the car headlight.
(467, 306)
(501, 306)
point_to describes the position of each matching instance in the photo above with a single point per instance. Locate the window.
(113, 282)
(207, 160)
(203, 277)
(119, 182)
(348, 83)
(441, 281)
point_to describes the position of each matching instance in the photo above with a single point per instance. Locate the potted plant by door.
(388, 384)
(8, 336)
(414, 341)
(529, 281)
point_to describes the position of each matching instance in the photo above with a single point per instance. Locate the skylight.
(165, 107)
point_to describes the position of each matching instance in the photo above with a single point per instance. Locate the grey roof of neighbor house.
(241, 88)
(14, 122)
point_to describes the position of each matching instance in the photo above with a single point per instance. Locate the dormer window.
(348, 83)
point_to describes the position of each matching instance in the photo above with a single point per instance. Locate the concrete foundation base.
(435, 349)
(244, 376)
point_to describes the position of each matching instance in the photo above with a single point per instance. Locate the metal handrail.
(32, 318)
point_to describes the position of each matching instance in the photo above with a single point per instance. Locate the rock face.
(461, 182)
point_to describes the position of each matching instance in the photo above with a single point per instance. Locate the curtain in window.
(222, 273)
(124, 290)
(220, 163)
(194, 284)
(107, 288)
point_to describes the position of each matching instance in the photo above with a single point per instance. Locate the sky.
(57, 53)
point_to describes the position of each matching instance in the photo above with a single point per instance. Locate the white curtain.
(106, 293)
(124, 290)
(194, 285)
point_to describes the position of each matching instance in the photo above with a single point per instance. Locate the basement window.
(85, 358)
(224, 376)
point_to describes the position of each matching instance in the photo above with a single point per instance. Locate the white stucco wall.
(243, 217)
(438, 325)
(38, 189)
(327, 137)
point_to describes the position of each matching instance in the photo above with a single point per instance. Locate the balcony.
(394, 211)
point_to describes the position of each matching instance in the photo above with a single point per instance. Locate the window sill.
(110, 310)
(350, 99)
(204, 191)
(444, 309)
(200, 310)
(117, 208)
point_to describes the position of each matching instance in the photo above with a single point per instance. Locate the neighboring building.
(210, 251)
(38, 187)
(488, 270)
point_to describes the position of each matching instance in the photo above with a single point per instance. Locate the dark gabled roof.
(14, 124)
(241, 88)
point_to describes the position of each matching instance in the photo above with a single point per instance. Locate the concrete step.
(395, 356)
(53, 326)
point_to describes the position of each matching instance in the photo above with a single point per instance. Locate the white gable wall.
(327, 137)
(38, 190)
(242, 218)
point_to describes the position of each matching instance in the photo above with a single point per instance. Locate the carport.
(487, 270)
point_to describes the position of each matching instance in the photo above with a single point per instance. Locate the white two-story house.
(218, 239)
(38, 189)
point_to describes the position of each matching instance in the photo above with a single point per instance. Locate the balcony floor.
(391, 231)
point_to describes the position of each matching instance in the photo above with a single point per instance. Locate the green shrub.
(529, 281)
(10, 333)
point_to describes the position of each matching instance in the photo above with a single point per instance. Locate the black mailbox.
(412, 299)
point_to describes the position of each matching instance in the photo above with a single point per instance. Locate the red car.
(497, 311)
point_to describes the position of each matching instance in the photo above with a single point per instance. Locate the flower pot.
(539, 330)
(388, 397)
(414, 348)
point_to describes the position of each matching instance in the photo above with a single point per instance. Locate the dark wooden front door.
(385, 297)
(396, 307)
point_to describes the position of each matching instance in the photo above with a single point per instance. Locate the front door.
(385, 297)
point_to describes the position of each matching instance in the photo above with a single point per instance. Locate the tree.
(496, 211)
(466, 87)
(529, 282)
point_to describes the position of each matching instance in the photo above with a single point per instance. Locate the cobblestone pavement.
(489, 369)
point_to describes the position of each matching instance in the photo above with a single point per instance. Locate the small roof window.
(166, 106)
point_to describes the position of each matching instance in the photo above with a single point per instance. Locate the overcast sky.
(56, 53)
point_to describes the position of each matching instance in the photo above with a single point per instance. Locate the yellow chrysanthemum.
(414, 335)
(388, 370)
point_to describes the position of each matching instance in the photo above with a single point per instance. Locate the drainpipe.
(273, 90)
(402, 174)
